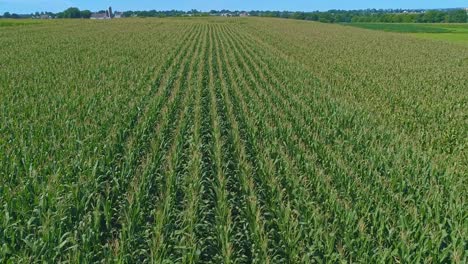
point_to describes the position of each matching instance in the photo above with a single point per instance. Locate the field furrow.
(159, 194)
(223, 221)
(283, 222)
(187, 218)
(252, 210)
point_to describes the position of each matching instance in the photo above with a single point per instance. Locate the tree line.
(373, 15)
(331, 16)
(72, 12)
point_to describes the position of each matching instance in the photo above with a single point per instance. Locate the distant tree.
(457, 16)
(326, 17)
(409, 18)
(298, 15)
(7, 15)
(331, 16)
(72, 12)
(85, 14)
(434, 16)
(128, 13)
(311, 16)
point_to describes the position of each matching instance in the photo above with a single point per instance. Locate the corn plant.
(230, 140)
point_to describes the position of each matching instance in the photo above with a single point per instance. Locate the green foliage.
(10, 15)
(71, 12)
(74, 12)
(85, 14)
(373, 15)
(457, 16)
(214, 140)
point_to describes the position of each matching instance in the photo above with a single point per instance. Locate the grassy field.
(18, 22)
(230, 141)
(456, 33)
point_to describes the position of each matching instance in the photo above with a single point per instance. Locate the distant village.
(108, 14)
(76, 13)
(450, 15)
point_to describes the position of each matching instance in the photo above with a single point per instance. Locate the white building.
(118, 14)
(107, 15)
(100, 16)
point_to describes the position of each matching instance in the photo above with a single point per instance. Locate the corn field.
(237, 140)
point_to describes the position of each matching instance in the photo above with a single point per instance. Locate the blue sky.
(28, 6)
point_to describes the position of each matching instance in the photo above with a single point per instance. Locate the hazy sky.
(28, 6)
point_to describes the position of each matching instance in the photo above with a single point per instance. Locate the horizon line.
(240, 10)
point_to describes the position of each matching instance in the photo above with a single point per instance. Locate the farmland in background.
(456, 33)
(211, 140)
(18, 22)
